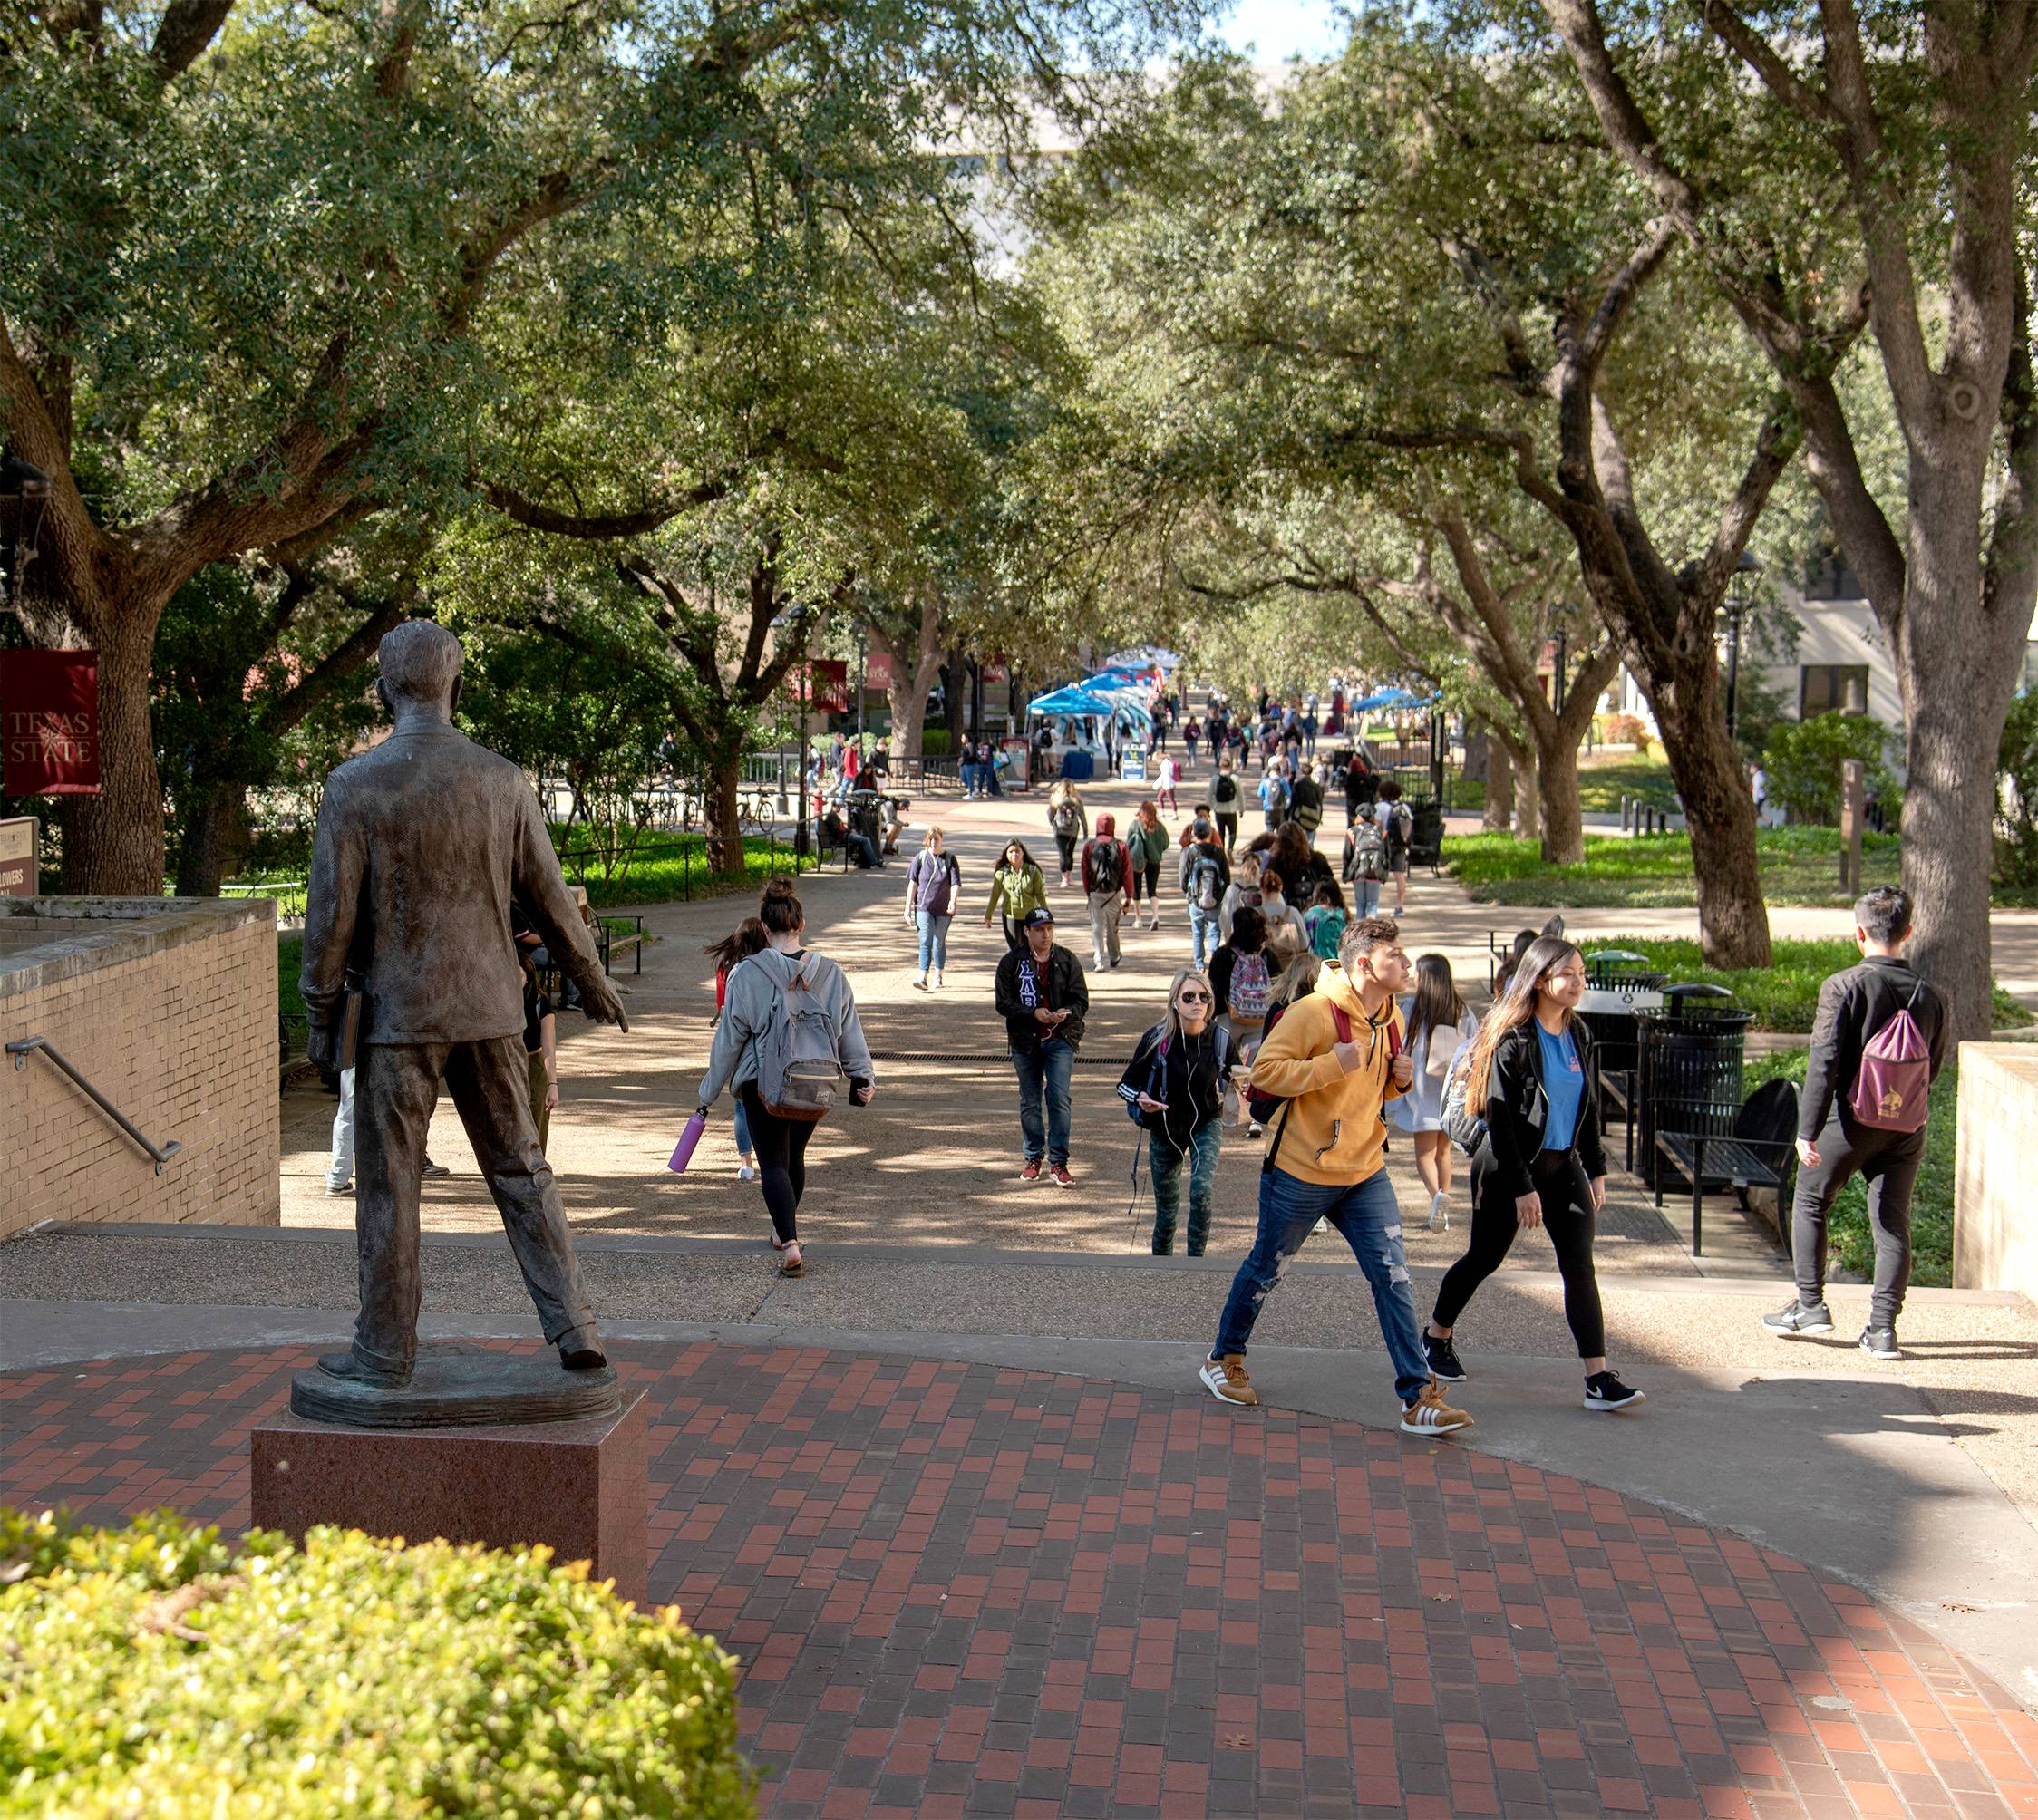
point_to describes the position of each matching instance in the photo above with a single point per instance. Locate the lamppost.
(796, 619)
(1737, 604)
(1561, 611)
(862, 671)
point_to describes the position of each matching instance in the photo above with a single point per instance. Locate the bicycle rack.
(21, 1051)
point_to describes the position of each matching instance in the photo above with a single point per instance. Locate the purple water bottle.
(683, 1151)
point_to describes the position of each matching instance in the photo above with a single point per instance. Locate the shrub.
(156, 1670)
(2016, 794)
(1626, 729)
(1803, 759)
(936, 744)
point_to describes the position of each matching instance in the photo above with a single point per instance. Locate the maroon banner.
(49, 722)
(995, 669)
(877, 671)
(823, 686)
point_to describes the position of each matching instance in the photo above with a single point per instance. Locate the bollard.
(1626, 808)
(1853, 775)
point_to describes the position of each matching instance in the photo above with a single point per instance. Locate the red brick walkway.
(959, 1590)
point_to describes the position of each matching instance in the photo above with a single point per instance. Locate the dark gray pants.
(1888, 1163)
(396, 1087)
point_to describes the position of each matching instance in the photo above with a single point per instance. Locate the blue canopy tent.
(1393, 698)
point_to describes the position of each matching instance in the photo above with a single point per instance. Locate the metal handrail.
(21, 1051)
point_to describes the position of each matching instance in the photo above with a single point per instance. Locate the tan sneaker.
(1430, 1415)
(1225, 1380)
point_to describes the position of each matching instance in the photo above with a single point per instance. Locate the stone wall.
(1995, 1211)
(168, 1006)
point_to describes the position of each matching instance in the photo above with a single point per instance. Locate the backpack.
(1369, 856)
(1324, 936)
(798, 1054)
(1157, 1072)
(1068, 817)
(1104, 866)
(1206, 883)
(1226, 789)
(1401, 825)
(1464, 1127)
(1251, 986)
(1892, 1092)
(1264, 1106)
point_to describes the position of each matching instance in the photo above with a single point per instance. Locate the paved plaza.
(983, 1545)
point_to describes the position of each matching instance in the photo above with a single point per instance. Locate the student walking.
(1107, 883)
(1224, 801)
(1365, 862)
(1175, 1085)
(1205, 876)
(1273, 794)
(1397, 828)
(1241, 894)
(1017, 886)
(1191, 735)
(788, 1037)
(541, 1053)
(1540, 1161)
(1334, 1061)
(1242, 987)
(1438, 1022)
(750, 937)
(1041, 994)
(934, 884)
(1877, 1043)
(1167, 775)
(1149, 844)
(1070, 822)
(1323, 922)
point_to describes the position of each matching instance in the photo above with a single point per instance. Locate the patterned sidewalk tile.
(963, 1590)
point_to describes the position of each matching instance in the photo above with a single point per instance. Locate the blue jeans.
(1167, 1162)
(1044, 1071)
(742, 1129)
(1365, 897)
(1203, 935)
(933, 939)
(968, 775)
(1368, 1216)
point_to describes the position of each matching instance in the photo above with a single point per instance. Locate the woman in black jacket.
(1175, 1083)
(1539, 1163)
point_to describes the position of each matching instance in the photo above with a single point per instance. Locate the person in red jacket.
(1107, 883)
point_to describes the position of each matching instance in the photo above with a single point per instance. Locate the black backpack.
(1104, 866)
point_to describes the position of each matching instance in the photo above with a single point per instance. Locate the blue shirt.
(1564, 1085)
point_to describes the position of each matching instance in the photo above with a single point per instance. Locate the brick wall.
(1995, 1229)
(169, 1008)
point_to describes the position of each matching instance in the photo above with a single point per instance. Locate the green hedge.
(1850, 1243)
(155, 1670)
(1800, 866)
(1783, 995)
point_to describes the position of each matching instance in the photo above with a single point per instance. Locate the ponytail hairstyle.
(750, 937)
(780, 910)
(1516, 1009)
(1437, 1003)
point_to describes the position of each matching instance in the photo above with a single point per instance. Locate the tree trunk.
(1475, 752)
(1720, 812)
(723, 811)
(914, 669)
(113, 842)
(954, 689)
(1521, 761)
(1498, 817)
(1557, 781)
(214, 838)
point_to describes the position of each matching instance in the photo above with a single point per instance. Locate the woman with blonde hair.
(1070, 821)
(1174, 1085)
(1539, 1162)
(934, 884)
(1438, 1024)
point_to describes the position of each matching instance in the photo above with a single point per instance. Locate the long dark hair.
(1437, 1003)
(1515, 1009)
(1248, 929)
(780, 910)
(1005, 864)
(750, 937)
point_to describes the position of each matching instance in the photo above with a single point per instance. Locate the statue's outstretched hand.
(599, 1000)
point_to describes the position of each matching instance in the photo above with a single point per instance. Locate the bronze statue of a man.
(423, 845)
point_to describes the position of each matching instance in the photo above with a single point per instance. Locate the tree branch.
(1761, 57)
(188, 28)
(598, 526)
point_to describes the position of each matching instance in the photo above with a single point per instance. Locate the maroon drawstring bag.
(1893, 1091)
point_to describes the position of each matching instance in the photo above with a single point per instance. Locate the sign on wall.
(49, 722)
(18, 837)
(828, 678)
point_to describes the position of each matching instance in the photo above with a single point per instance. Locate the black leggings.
(781, 1161)
(1566, 1217)
(1066, 842)
(1146, 880)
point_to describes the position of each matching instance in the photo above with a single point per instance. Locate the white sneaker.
(746, 1172)
(938, 979)
(1440, 1213)
(336, 1190)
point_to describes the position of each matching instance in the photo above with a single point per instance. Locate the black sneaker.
(1880, 1342)
(1799, 1318)
(1603, 1390)
(1444, 1364)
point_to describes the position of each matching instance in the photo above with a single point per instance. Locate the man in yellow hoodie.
(1335, 1058)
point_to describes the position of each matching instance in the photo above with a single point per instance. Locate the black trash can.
(1689, 1068)
(1619, 984)
(1425, 838)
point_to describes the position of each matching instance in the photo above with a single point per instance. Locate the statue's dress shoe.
(582, 1357)
(356, 1370)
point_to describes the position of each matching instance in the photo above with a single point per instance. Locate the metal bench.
(1740, 1160)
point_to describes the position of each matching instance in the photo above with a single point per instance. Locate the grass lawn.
(1851, 1243)
(1784, 995)
(667, 868)
(1800, 866)
(1604, 778)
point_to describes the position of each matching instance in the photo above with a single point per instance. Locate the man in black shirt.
(1042, 997)
(1834, 1144)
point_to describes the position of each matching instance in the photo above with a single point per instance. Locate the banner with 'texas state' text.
(49, 722)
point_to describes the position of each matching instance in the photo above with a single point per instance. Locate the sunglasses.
(1195, 998)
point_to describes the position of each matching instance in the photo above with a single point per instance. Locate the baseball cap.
(1200, 829)
(1041, 918)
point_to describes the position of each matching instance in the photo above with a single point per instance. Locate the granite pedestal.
(580, 1487)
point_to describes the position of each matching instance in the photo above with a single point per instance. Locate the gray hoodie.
(750, 1001)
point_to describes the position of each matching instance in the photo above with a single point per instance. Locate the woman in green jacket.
(1017, 886)
(1148, 839)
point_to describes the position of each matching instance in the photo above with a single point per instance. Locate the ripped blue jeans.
(1368, 1216)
